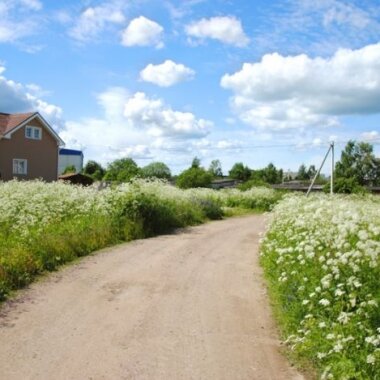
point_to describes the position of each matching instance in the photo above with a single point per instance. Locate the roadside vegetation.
(43, 225)
(321, 256)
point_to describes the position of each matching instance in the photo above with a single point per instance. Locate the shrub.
(345, 186)
(194, 177)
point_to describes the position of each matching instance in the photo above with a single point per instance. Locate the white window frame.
(33, 131)
(17, 169)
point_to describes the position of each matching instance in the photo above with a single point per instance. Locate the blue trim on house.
(70, 152)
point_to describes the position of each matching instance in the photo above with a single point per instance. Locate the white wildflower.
(371, 359)
(324, 302)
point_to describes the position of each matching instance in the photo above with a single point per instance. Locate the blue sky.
(250, 81)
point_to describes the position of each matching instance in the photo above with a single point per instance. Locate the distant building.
(224, 183)
(28, 147)
(289, 176)
(77, 179)
(69, 157)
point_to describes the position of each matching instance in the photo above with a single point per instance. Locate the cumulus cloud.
(93, 20)
(142, 31)
(166, 74)
(138, 151)
(133, 125)
(19, 19)
(212, 145)
(17, 98)
(161, 120)
(282, 92)
(227, 29)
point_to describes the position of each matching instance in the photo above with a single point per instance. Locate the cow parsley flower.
(324, 302)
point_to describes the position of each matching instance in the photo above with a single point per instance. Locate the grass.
(44, 225)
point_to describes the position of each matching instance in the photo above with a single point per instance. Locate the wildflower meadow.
(43, 225)
(321, 256)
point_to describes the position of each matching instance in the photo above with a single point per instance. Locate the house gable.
(28, 148)
(9, 124)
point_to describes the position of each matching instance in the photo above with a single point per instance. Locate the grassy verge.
(321, 257)
(43, 226)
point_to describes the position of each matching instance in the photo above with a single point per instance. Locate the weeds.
(43, 225)
(322, 258)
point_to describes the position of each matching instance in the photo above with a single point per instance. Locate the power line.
(263, 146)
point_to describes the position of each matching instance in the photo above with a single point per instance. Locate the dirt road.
(191, 305)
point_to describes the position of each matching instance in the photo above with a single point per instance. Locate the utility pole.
(331, 147)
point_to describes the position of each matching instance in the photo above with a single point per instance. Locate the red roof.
(10, 121)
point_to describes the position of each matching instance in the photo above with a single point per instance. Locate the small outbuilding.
(77, 179)
(70, 157)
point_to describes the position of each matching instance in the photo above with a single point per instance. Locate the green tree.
(271, 175)
(122, 170)
(157, 170)
(302, 174)
(194, 177)
(215, 168)
(311, 172)
(240, 172)
(70, 169)
(359, 162)
(94, 170)
(196, 163)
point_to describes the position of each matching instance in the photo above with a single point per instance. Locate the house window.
(33, 133)
(20, 166)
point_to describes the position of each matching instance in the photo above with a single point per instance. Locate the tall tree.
(196, 163)
(215, 168)
(271, 175)
(311, 171)
(359, 162)
(240, 172)
(302, 174)
(122, 170)
(156, 170)
(94, 170)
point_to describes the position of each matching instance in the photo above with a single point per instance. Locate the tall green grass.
(43, 225)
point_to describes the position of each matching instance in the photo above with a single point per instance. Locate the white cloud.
(35, 5)
(166, 74)
(112, 101)
(16, 97)
(298, 91)
(160, 120)
(370, 136)
(93, 20)
(142, 31)
(134, 125)
(319, 26)
(226, 29)
(18, 19)
(138, 151)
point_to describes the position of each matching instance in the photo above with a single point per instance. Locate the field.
(43, 225)
(321, 257)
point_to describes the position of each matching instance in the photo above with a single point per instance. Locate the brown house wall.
(42, 155)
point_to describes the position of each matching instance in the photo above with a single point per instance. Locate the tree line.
(358, 167)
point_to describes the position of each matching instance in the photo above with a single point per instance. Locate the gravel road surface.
(191, 305)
